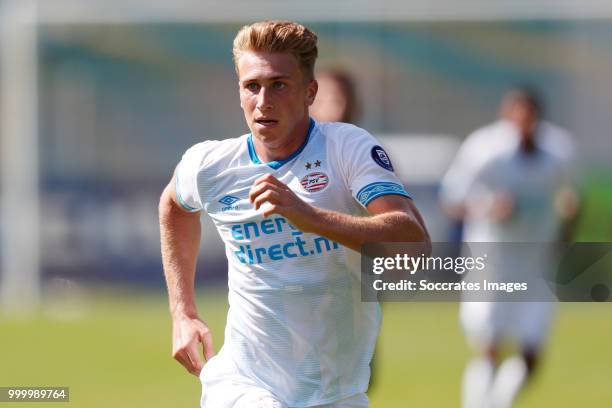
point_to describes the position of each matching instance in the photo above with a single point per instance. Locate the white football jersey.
(491, 141)
(296, 323)
(533, 181)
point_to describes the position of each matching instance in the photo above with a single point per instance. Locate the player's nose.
(264, 99)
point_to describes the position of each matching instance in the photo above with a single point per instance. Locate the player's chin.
(265, 130)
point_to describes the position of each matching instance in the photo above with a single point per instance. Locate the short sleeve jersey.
(296, 323)
(491, 141)
(533, 181)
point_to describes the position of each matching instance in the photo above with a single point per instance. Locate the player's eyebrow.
(273, 78)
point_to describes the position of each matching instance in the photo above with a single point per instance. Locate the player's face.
(524, 117)
(274, 95)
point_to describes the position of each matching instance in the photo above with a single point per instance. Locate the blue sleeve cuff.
(379, 189)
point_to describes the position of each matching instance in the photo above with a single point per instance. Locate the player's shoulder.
(218, 146)
(489, 132)
(557, 140)
(210, 152)
(554, 129)
(344, 134)
(489, 140)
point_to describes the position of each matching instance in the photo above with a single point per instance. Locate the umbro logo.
(228, 200)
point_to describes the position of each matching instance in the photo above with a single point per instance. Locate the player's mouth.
(266, 122)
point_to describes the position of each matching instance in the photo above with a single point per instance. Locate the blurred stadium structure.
(99, 100)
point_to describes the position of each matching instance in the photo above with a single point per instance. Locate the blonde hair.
(279, 36)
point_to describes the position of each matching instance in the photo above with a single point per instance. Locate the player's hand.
(281, 200)
(187, 334)
(502, 206)
(567, 203)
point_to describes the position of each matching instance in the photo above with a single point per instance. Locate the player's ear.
(311, 91)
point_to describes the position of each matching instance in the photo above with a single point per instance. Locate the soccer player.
(516, 187)
(293, 201)
(499, 137)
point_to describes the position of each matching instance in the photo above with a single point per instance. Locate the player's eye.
(278, 85)
(252, 86)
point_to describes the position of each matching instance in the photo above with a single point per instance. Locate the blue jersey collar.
(276, 164)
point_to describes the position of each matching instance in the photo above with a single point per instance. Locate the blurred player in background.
(293, 201)
(511, 182)
(336, 99)
(497, 138)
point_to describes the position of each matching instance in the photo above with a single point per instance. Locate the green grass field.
(117, 354)
(115, 351)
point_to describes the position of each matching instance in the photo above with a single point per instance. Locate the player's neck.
(528, 146)
(282, 148)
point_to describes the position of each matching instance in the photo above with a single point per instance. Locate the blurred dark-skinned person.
(512, 181)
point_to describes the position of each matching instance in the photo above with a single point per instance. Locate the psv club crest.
(316, 181)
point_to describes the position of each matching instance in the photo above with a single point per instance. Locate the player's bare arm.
(180, 242)
(393, 217)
